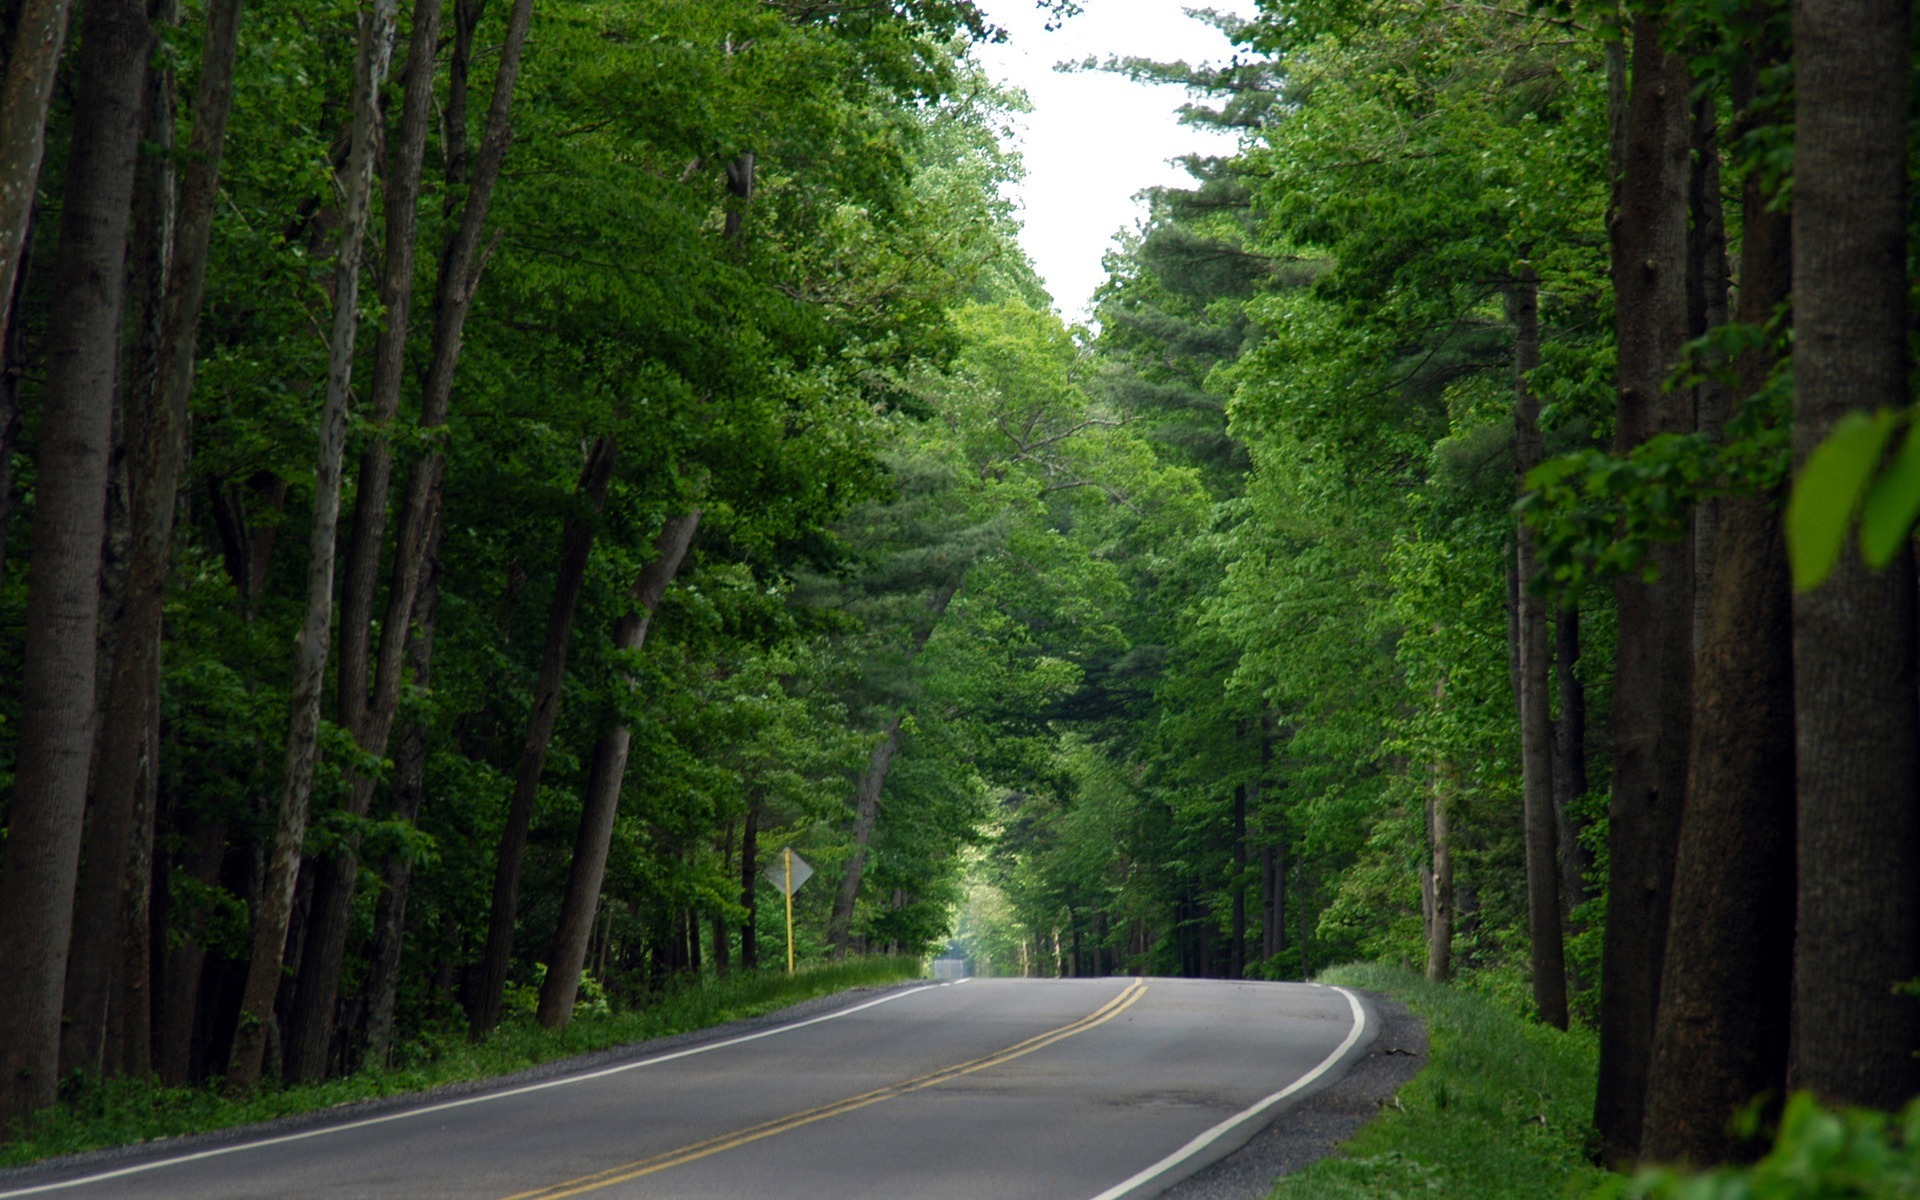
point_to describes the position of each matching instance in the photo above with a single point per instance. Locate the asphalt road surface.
(987, 1089)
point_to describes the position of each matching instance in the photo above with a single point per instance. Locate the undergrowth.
(1499, 1112)
(120, 1112)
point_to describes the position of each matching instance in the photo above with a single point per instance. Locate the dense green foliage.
(1499, 1108)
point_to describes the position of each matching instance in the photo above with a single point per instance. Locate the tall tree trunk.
(1653, 677)
(1273, 895)
(58, 677)
(37, 42)
(576, 546)
(157, 443)
(1854, 1036)
(460, 269)
(1726, 993)
(177, 1006)
(401, 183)
(866, 812)
(749, 888)
(12, 364)
(1706, 310)
(246, 1059)
(1547, 952)
(1237, 952)
(1440, 884)
(602, 799)
(1570, 763)
(396, 873)
(866, 796)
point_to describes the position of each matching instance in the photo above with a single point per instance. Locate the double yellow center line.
(766, 1129)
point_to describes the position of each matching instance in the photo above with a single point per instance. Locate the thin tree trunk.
(1440, 926)
(37, 42)
(576, 546)
(178, 1007)
(1653, 678)
(604, 780)
(866, 812)
(866, 796)
(246, 1058)
(157, 439)
(749, 889)
(12, 362)
(1570, 763)
(63, 584)
(1237, 952)
(1547, 952)
(401, 181)
(460, 269)
(1854, 1034)
(1273, 909)
(396, 873)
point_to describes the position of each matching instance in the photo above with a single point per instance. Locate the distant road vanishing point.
(985, 1089)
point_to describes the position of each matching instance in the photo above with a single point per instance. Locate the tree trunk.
(1854, 1036)
(1706, 310)
(576, 546)
(1726, 993)
(866, 797)
(12, 363)
(602, 799)
(246, 1058)
(1237, 952)
(157, 443)
(460, 269)
(866, 812)
(63, 584)
(1547, 953)
(396, 873)
(401, 180)
(1440, 875)
(37, 42)
(1273, 894)
(749, 889)
(1652, 680)
(1570, 763)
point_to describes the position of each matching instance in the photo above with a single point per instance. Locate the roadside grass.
(1500, 1111)
(122, 1112)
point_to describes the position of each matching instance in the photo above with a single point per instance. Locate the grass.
(122, 1112)
(1500, 1112)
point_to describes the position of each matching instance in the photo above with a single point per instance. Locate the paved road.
(1087, 1089)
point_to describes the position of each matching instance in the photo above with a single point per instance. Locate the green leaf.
(1892, 503)
(1828, 489)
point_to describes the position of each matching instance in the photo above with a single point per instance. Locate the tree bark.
(1653, 677)
(576, 546)
(37, 43)
(604, 779)
(1547, 951)
(1854, 1036)
(63, 573)
(157, 437)
(1570, 763)
(460, 267)
(1726, 993)
(866, 796)
(396, 873)
(246, 1059)
(1237, 952)
(866, 812)
(749, 888)
(1706, 310)
(401, 180)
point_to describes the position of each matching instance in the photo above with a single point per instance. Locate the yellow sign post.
(793, 872)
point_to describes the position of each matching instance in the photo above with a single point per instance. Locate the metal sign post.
(793, 872)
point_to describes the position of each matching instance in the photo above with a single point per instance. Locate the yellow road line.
(766, 1129)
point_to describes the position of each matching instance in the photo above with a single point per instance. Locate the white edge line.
(1223, 1128)
(140, 1168)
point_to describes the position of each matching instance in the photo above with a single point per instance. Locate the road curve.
(990, 1089)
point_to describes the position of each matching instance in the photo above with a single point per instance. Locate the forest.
(480, 479)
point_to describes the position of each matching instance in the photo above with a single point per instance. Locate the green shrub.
(1819, 1154)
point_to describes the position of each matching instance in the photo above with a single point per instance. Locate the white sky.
(1093, 140)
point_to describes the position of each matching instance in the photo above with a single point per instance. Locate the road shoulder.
(1319, 1122)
